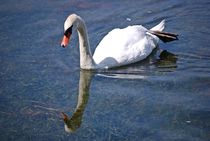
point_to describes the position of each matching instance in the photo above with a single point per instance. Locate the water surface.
(160, 98)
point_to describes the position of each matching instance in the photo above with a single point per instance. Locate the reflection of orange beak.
(64, 117)
(65, 41)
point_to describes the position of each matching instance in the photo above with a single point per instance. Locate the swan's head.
(71, 22)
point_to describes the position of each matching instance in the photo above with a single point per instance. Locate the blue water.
(165, 99)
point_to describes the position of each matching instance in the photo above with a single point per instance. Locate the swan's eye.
(68, 32)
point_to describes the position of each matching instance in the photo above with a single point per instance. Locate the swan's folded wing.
(122, 46)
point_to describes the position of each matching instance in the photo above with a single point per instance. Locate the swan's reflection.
(74, 122)
(166, 60)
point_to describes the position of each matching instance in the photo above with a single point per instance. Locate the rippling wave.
(165, 97)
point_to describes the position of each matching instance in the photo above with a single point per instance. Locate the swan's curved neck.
(86, 59)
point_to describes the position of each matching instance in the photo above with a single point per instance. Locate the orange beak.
(65, 40)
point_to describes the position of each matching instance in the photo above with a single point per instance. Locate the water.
(157, 99)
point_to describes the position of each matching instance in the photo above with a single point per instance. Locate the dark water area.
(165, 97)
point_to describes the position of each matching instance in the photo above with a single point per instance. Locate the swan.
(119, 47)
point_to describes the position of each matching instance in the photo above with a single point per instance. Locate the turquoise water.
(165, 97)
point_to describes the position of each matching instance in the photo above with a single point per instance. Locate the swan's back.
(124, 46)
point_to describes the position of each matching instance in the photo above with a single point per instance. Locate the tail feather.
(165, 36)
(159, 27)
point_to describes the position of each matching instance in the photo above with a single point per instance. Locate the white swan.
(119, 47)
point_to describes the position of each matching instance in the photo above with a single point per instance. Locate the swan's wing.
(123, 46)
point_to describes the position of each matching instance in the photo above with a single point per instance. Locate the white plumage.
(124, 46)
(119, 47)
